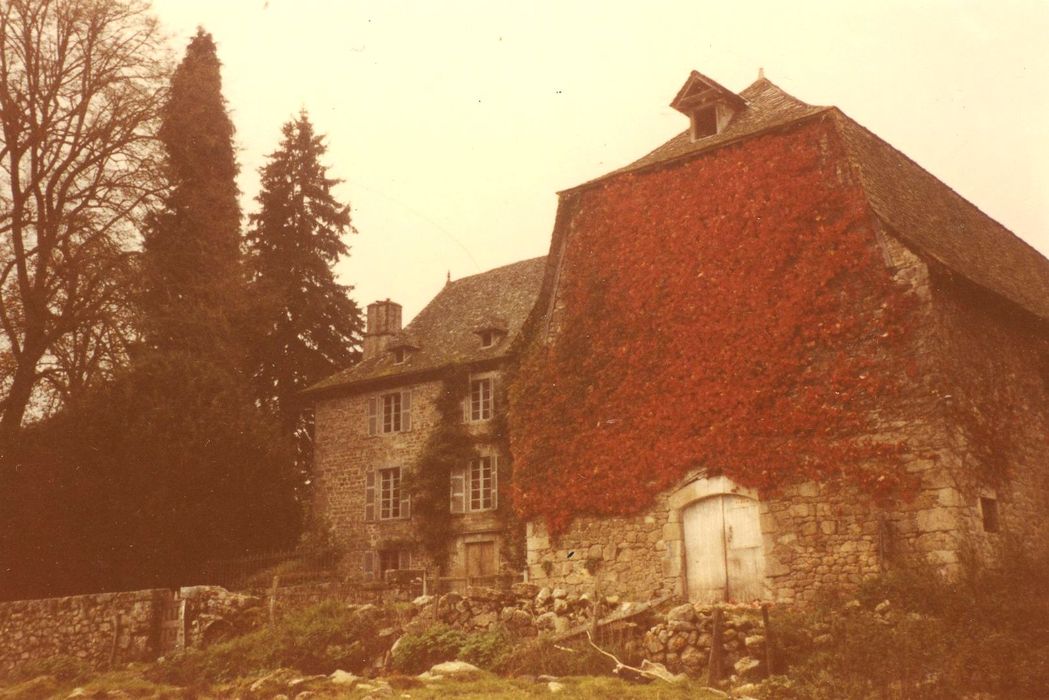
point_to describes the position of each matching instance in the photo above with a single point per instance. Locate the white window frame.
(482, 484)
(390, 412)
(390, 493)
(481, 407)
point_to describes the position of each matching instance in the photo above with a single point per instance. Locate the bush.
(416, 653)
(986, 632)
(318, 639)
(483, 649)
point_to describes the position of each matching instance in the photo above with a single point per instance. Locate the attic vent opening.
(704, 122)
(487, 339)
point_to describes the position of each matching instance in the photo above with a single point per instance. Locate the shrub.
(483, 649)
(317, 639)
(416, 653)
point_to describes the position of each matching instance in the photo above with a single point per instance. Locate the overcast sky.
(455, 123)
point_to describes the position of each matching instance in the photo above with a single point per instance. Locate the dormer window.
(487, 339)
(490, 331)
(399, 356)
(709, 106)
(704, 122)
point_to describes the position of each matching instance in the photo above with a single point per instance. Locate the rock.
(272, 683)
(340, 677)
(542, 597)
(682, 613)
(422, 601)
(559, 593)
(560, 606)
(822, 640)
(455, 669)
(484, 620)
(77, 693)
(747, 667)
(545, 678)
(653, 644)
(521, 618)
(745, 690)
(660, 671)
(693, 659)
(524, 590)
(612, 601)
(852, 605)
(555, 687)
(306, 695)
(298, 682)
(882, 607)
(677, 643)
(754, 643)
(546, 621)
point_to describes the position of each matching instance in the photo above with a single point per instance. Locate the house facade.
(971, 421)
(977, 358)
(373, 422)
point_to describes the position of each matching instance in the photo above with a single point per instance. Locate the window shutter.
(406, 410)
(495, 481)
(373, 415)
(369, 495)
(495, 394)
(406, 499)
(458, 490)
(368, 565)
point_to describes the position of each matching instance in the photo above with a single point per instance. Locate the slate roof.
(920, 209)
(445, 330)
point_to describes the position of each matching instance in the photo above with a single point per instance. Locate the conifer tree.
(310, 325)
(194, 279)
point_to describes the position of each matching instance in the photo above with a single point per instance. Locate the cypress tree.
(194, 282)
(308, 326)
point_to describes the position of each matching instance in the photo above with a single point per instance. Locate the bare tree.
(81, 84)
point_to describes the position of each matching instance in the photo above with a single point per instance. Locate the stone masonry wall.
(344, 451)
(85, 627)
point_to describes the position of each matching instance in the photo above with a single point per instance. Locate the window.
(389, 493)
(704, 122)
(482, 484)
(399, 356)
(384, 499)
(475, 487)
(487, 339)
(390, 413)
(989, 513)
(480, 399)
(393, 560)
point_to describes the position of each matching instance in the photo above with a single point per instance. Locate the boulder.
(340, 677)
(524, 590)
(747, 667)
(543, 596)
(422, 601)
(693, 660)
(682, 613)
(560, 606)
(454, 669)
(273, 683)
(555, 687)
(559, 593)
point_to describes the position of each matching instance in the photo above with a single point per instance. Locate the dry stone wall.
(97, 629)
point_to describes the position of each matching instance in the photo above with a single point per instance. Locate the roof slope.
(767, 106)
(938, 221)
(444, 331)
(923, 211)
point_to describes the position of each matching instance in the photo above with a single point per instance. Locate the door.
(480, 559)
(723, 556)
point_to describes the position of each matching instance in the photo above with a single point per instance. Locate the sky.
(454, 124)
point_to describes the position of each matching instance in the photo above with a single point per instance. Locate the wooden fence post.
(768, 639)
(714, 665)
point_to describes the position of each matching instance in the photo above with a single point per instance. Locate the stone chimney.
(384, 321)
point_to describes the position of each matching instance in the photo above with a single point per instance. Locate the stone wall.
(345, 451)
(97, 629)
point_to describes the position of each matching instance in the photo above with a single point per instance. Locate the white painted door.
(723, 555)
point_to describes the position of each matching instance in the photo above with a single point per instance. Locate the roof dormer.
(491, 330)
(708, 105)
(400, 347)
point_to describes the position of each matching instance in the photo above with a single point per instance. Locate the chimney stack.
(384, 321)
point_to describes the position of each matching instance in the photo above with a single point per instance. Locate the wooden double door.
(723, 549)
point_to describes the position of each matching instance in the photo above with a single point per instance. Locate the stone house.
(984, 298)
(373, 421)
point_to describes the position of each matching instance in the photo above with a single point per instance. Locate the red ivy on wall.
(732, 313)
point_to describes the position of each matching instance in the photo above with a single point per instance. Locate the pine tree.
(194, 279)
(311, 325)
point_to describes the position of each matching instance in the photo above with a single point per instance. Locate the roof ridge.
(497, 269)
